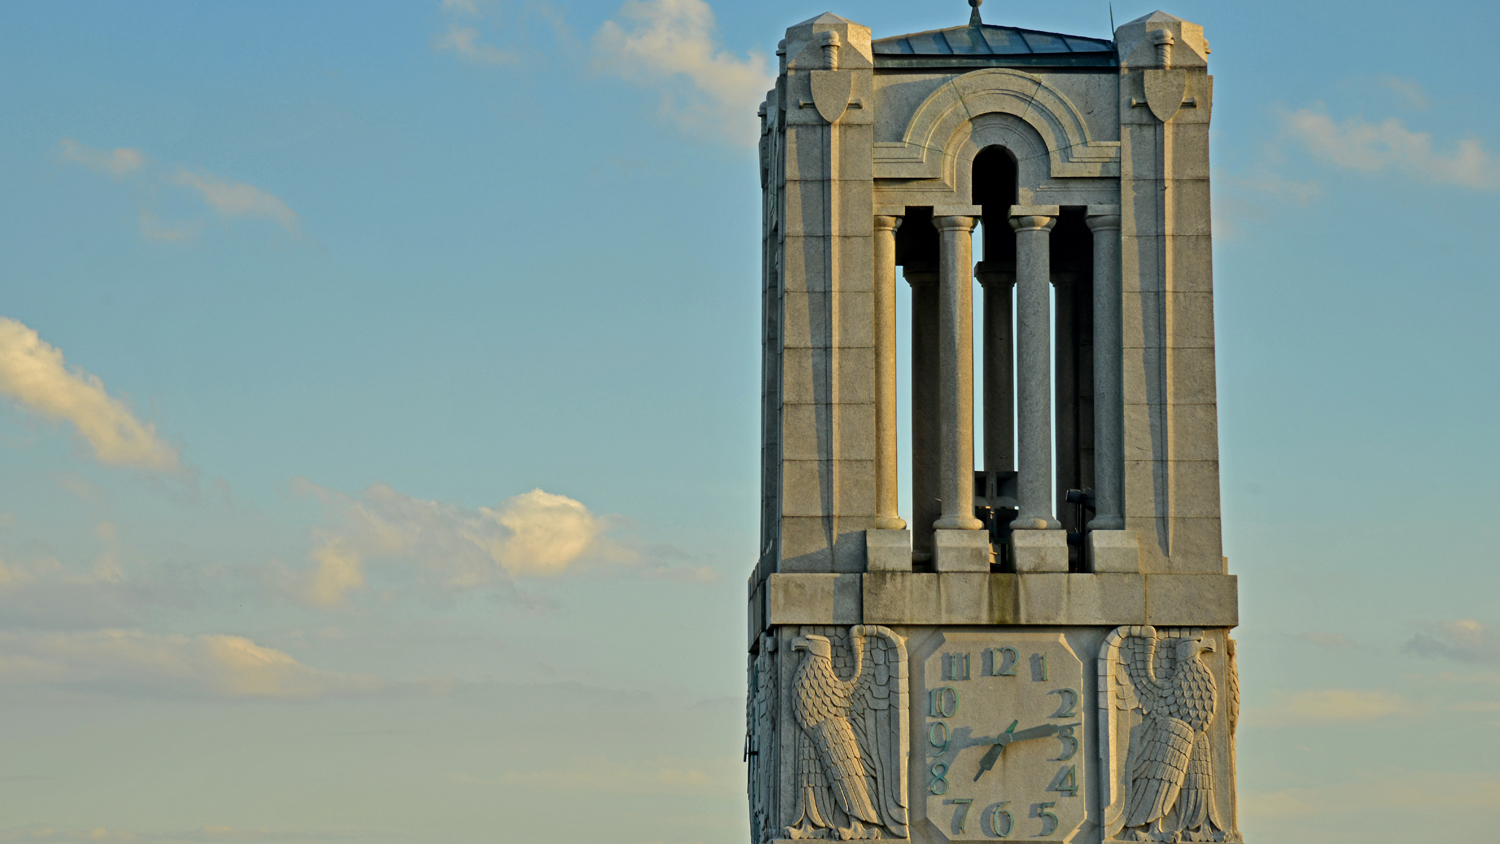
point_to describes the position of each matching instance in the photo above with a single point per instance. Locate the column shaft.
(998, 371)
(956, 379)
(1109, 420)
(887, 506)
(1034, 369)
(924, 406)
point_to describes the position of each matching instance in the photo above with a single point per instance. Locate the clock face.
(998, 750)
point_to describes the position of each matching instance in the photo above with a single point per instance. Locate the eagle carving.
(1166, 785)
(851, 748)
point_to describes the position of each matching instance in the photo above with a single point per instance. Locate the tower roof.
(987, 45)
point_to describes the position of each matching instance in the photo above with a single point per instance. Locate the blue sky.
(378, 400)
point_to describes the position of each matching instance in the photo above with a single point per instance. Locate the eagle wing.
(878, 713)
(1157, 773)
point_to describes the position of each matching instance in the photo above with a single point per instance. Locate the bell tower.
(1038, 648)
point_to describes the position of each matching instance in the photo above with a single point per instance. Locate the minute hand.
(993, 755)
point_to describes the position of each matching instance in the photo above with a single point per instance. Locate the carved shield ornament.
(830, 92)
(1164, 92)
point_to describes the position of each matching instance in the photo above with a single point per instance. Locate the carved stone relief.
(1158, 703)
(849, 703)
(760, 744)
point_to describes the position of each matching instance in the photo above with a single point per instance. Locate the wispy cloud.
(1377, 792)
(201, 835)
(448, 547)
(597, 774)
(1357, 144)
(1465, 640)
(236, 199)
(226, 197)
(1408, 89)
(117, 163)
(208, 665)
(1334, 641)
(672, 45)
(465, 41)
(34, 375)
(1330, 706)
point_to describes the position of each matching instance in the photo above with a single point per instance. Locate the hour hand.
(998, 744)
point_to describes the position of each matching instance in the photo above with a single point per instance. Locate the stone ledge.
(984, 598)
(813, 599)
(916, 598)
(1193, 600)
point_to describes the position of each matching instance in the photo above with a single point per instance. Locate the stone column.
(956, 373)
(1033, 394)
(960, 546)
(887, 545)
(1109, 447)
(886, 501)
(924, 404)
(999, 368)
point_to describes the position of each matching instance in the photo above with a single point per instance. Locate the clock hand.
(1010, 735)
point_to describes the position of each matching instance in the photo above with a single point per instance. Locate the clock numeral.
(956, 666)
(942, 703)
(1038, 668)
(960, 812)
(1070, 741)
(1066, 782)
(1000, 662)
(998, 816)
(934, 731)
(1049, 820)
(1065, 706)
(939, 784)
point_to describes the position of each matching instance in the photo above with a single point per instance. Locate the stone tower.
(1039, 649)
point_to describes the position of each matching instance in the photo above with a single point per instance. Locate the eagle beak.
(799, 644)
(1208, 647)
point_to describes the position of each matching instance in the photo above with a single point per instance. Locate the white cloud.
(1465, 640)
(1374, 147)
(449, 547)
(209, 665)
(236, 199)
(117, 163)
(1408, 89)
(464, 40)
(1330, 706)
(671, 44)
(34, 375)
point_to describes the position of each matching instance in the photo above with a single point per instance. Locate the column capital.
(994, 272)
(1030, 218)
(1103, 218)
(954, 222)
(920, 273)
(887, 222)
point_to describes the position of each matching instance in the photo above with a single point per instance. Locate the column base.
(967, 550)
(1114, 551)
(888, 550)
(1039, 550)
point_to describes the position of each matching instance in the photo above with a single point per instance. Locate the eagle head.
(816, 645)
(1190, 648)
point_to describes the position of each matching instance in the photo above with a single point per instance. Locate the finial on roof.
(974, 15)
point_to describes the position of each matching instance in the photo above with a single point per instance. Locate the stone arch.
(935, 130)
